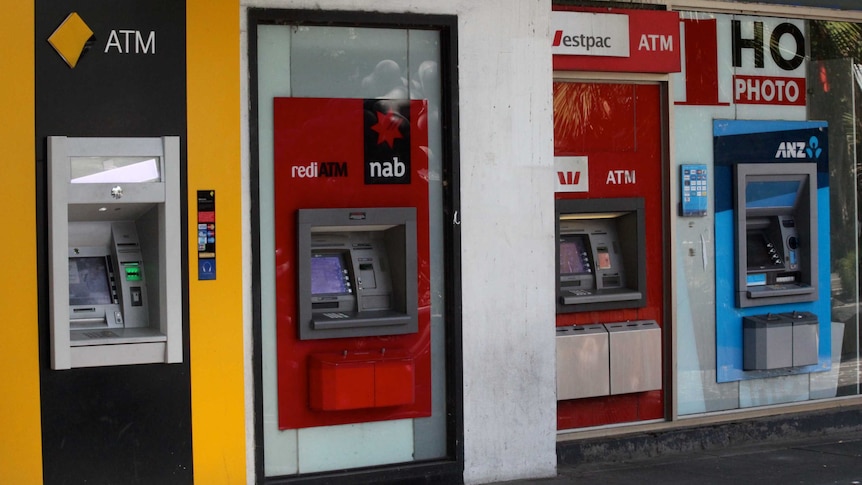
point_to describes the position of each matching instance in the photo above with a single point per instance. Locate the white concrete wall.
(507, 229)
(506, 152)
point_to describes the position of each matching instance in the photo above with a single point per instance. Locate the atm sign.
(572, 174)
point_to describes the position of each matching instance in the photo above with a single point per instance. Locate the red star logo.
(387, 127)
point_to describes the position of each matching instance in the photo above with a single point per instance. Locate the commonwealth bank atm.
(115, 251)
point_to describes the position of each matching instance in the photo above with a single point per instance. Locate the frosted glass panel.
(348, 62)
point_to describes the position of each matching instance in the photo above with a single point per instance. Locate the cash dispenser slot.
(357, 272)
(600, 254)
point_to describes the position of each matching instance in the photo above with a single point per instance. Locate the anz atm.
(115, 251)
(772, 258)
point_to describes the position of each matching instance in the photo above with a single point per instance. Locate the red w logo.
(569, 178)
(558, 36)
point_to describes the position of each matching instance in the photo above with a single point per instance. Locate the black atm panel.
(600, 254)
(776, 233)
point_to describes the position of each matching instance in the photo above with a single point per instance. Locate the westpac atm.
(600, 254)
(601, 265)
(115, 251)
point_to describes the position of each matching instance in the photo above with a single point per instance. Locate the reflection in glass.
(100, 170)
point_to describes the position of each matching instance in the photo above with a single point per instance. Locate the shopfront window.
(762, 98)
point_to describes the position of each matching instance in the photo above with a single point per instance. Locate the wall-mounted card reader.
(115, 258)
(600, 254)
(776, 233)
(357, 272)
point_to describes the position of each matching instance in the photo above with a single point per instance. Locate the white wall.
(506, 153)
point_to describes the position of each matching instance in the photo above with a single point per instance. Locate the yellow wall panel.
(20, 419)
(215, 307)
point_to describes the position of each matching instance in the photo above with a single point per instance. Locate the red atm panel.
(617, 129)
(342, 154)
(363, 380)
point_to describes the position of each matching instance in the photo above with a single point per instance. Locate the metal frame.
(450, 468)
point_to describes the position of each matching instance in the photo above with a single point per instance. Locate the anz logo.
(799, 149)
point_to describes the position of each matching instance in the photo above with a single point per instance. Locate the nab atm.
(115, 251)
(600, 253)
(357, 272)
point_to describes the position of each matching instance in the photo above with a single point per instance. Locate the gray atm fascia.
(154, 207)
(399, 225)
(805, 218)
(633, 249)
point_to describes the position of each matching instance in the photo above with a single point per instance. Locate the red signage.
(345, 153)
(653, 40)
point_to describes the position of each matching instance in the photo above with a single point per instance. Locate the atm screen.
(88, 281)
(574, 255)
(763, 194)
(328, 275)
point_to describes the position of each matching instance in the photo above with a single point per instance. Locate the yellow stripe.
(215, 307)
(20, 420)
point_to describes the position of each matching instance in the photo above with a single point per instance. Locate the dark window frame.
(448, 469)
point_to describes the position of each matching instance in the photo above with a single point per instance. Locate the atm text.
(620, 177)
(656, 42)
(319, 169)
(131, 42)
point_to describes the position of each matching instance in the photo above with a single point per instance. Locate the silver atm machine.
(357, 271)
(115, 251)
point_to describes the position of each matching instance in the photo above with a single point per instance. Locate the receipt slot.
(115, 251)
(776, 231)
(600, 254)
(357, 272)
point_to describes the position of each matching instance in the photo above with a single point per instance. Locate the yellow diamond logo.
(71, 38)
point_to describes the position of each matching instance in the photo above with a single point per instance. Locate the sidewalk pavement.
(829, 459)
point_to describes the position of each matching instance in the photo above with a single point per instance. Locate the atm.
(775, 206)
(357, 272)
(600, 254)
(776, 233)
(115, 251)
